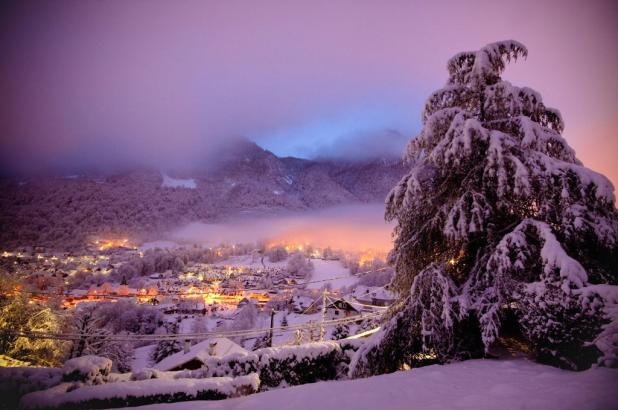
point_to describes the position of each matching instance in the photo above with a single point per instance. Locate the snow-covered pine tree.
(341, 331)
(499, 228)
(16, 314)
(284, 322)
(168, 347)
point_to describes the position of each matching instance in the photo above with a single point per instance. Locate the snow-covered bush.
(232, 365)
(293, 365)
(283, 366)
(496, 219)
(147, 374)
(87, 369)
(137, 393)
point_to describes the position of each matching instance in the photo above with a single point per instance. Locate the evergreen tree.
(499, 229)
(17, 315)
(165, 348)
(284, 322)
(341, 331)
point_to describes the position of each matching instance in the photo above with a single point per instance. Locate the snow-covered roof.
(341, 304)
(201, 351)
(362, 292)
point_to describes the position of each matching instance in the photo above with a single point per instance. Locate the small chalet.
(376, 296)
(193, 357)
(339, 309)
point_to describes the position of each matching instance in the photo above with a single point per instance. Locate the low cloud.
(352, 228)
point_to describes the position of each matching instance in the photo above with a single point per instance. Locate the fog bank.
(351, 228)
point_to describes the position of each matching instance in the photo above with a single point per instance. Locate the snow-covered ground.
(474, 384)
(252, 262)
(325, 270)
(169, 182)
(141, 358)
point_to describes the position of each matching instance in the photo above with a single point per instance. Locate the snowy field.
(169, 182)
(474, 384)
(325, 270)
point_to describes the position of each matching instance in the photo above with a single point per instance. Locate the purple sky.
(109, 82)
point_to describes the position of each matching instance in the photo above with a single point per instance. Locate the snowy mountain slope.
(473, 384)
(52, 211)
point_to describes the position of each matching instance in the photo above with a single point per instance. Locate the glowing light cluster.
(105, 244)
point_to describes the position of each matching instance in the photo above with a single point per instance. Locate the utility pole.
(272, 324)
(323, 315)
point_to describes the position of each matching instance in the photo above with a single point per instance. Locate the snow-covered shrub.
(232, 365)
(137, 393)
(87, 369)
(282, 366)
(496, 219)
(293, 365)
(147, 374)
(17, 381)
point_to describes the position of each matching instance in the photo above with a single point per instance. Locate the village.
(240, 295)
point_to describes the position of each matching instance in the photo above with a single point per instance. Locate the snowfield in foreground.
(474, 384)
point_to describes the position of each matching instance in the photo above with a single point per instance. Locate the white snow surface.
(141, 357)
(169, 182)
(307, 350)
(200, 351)
(90, 368)
(473, 384)
(57, 397)
(325, 270)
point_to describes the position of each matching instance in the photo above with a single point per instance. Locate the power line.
(186, 336)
